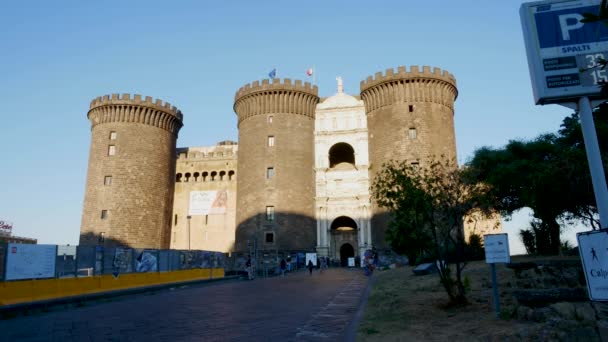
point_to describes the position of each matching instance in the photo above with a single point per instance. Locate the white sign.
(593, 248)
(563, 52)
(208, 202)
(497, 248)
(24, 261)
(351, 262)
(312, 257)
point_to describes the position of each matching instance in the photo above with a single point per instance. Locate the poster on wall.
(30, 261)
(208, 202)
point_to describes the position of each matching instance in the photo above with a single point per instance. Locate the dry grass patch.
(404, 307)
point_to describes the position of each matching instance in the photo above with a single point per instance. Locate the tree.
(548, 174)
(427, 204)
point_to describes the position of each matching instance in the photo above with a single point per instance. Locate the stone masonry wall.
(291, 190)
(398, 102)
(139, 197)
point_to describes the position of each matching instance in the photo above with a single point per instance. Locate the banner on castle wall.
(564, 53)
(208, 202)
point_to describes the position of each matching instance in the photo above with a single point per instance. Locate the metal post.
(595, 160)
(189, 217)
(495, 290)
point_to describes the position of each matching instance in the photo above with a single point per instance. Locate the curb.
(7, 310)
(351, 329)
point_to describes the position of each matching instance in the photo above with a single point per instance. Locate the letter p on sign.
(575, 23)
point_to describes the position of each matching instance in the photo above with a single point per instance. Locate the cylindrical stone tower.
(410, 116)
(276, 189)
(130, 182)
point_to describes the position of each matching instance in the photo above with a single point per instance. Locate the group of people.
(322, 263)
(370, 261)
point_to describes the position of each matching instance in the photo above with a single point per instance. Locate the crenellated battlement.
(402, 74)
(402, 86)
(124, 108)
(276, 84)
(278, 96)
(136, 99)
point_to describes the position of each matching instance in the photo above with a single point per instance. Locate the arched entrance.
(343, 239)
(341, 153)
(346, 251)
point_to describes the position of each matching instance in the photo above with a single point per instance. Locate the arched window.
(205, 175)
(213, 175)
(196, 174)
(341, 153)
(230, 175)
(222, 175)
(187, 175)
(343, 224)
(178, 178)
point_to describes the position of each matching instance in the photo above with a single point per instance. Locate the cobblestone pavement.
(297, 307)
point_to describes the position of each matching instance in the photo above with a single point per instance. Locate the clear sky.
(56, 56)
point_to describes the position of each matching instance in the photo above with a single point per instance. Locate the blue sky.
(55, 57)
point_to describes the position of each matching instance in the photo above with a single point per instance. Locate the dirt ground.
(405, 307)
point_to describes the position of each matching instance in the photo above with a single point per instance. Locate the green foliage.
(474, 248)
(529, 240)
(548, 174)
(427, 204)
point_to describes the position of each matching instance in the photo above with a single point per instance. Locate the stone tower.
(130, 181)
(410, 116)
(276, 189)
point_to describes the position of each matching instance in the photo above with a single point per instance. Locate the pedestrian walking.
(283, 267)
(310, 267)
(248, 268)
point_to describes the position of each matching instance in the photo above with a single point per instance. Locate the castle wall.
(205, 169)
(130, 186)
(410, 116)
(285, 112)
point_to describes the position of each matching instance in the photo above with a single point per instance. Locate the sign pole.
(495, 291)
(594, 158)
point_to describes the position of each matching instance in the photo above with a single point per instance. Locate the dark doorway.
(346, 251)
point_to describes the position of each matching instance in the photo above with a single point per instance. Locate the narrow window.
(270, 140)
(112, 135)
(230, 175)
(222, 175)
(175, 220)
(270, 213)
(412, 133)
(111, 150)
(187, 175)
(195, 175)
(213, 175)
(178, 178)
(104, 214)
(411, 108)
(270, 119)
(269, 172)
(107, 180)
(269, 238)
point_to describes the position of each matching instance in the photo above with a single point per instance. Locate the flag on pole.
(272, 73)
(309, 72)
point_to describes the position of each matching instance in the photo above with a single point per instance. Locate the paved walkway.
(297, 307)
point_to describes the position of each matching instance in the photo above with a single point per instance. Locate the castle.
(298, 180)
